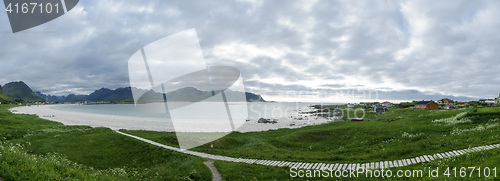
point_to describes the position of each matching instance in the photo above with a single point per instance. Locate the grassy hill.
(37, 149)
(19, 90)
(398, 134)
(4, 98)
(32, 148)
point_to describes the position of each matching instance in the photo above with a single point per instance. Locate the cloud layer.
(444, 48)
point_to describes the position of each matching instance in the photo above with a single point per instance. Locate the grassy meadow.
(398, 134)
(32, 148)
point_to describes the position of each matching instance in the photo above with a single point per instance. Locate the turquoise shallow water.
(256, 110)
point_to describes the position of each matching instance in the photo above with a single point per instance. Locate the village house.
(405, 105)
(375, 104)
(449, 107)
(426, 105)
(489, 102)
(387, 104)
(380, 109)
(446, 101)
(462, 104)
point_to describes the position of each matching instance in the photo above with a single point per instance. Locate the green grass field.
(36, 149)
(398, 134)
(401, 133)
(488, 110)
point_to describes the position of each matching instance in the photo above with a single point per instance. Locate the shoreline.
(73, 118)
(116, 122)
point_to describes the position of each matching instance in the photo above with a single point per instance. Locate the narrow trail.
(215, 174)
(329, 166)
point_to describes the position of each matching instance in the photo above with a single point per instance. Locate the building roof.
(423, 102)
(446, 99)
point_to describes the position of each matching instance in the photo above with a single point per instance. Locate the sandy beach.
(94, 120)
(116, 122)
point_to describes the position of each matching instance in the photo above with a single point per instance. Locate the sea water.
(256, 110)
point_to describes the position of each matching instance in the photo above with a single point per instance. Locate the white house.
(387, 104)
(489, 102)
(449, 107)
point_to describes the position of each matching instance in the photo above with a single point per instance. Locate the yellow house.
(444, 102)
(426, 105)
(462, 104)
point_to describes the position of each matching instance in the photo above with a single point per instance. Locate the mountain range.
(125, 94)
(21, 92)
(103, 94)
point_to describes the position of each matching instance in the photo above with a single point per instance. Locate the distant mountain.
(104, 94)
(251, 97)
(125, 94)
(69, 98)
(191, 94)
(188, 94)
(19, 90)
(48, 98)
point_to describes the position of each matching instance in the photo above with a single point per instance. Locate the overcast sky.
(318, 50)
